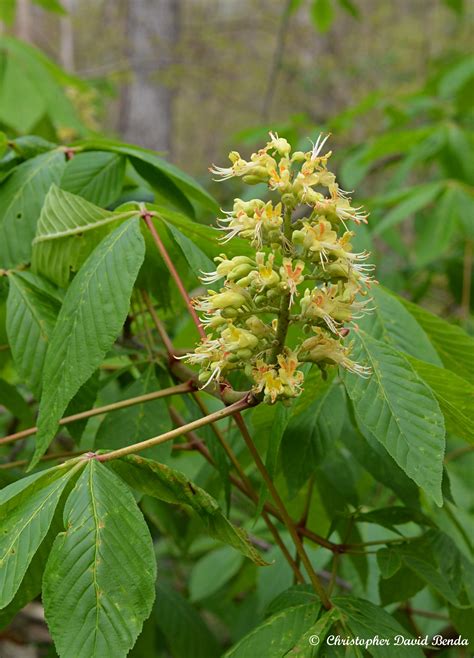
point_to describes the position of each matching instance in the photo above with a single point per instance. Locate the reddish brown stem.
(147, 217)
(319, 589)
(165, 339)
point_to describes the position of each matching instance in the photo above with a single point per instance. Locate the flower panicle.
(299, 271)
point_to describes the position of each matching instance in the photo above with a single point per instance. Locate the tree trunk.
(146, 105)
(66, 38)
(23, 20)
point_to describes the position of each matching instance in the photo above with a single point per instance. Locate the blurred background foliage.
(194, 78)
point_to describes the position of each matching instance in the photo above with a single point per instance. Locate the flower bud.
(227, 299)
(240, 271)
(229, 313)
(254, 178)
(244, 354)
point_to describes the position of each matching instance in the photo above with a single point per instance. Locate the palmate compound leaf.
(94, 310)
(165, 483)
(31, 316)
(401, 411)
(69, 228)
(26, 512)
(99, 582)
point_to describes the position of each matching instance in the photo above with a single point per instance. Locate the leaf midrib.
(96, 555)
(86, 227)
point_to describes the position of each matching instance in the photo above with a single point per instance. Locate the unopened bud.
(229, 313)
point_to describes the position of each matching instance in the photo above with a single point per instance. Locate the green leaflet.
(435, 559)
(185, 183)
(197, 259)
(392, 322)
(30, 586)
(305, 647)
(96, 176)
(15, 403)
(400, 586)
(94, 310)
(269, 423)
(310, 435)
(165, 483)
(278, 634)
(99, 582)
(388, 561)
(322, 14)
(83, 400)
(69, 228)
(294, 595)
(185, 631)
(455, 397)
(31, 316)
(435, 235)
(15, 84)
(21, 198)
(164, 188)
(46, 88)
(213, 571)
(401, 411)
(391, 517)
(206, 238)
(419, 197)
(365, 620)
(454, 346)
(26, 512)
(372, 456)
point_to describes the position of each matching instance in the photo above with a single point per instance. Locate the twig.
(45, 458)
(186, 387)
(459, 452)
(148, 219)
(165, 339)
(179, 431)
(337, 556)
(148, 336)
(252, 494)
(284, 513)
